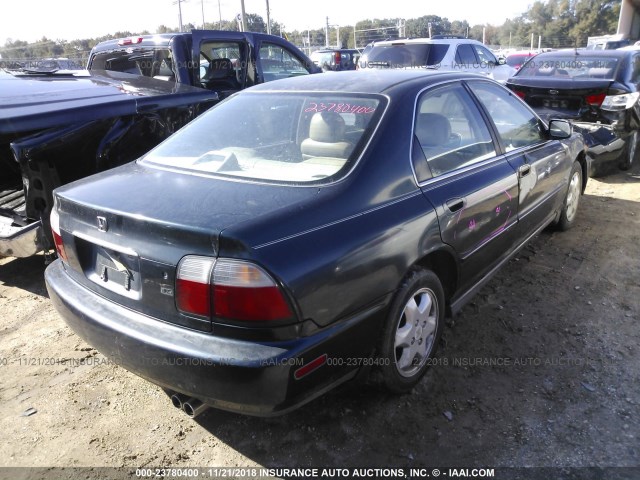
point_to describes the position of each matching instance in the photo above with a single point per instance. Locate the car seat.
(326, 137)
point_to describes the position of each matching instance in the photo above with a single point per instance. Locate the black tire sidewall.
(417, 279)
(564, 223)
(631, 152)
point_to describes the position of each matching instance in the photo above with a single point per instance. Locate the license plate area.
(555, 103)
(110, 268)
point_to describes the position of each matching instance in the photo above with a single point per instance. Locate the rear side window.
(450, 131)
(517, 125)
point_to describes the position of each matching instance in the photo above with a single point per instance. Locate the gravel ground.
(540, 370)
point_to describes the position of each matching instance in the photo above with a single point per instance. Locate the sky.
(30, 20)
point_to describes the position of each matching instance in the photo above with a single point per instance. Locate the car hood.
(36, 101)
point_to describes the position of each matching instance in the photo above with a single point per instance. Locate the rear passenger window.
(450, 131)
(517, 126)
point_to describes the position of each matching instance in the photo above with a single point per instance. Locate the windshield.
(407, 55)
(579, 67)
(277, 137)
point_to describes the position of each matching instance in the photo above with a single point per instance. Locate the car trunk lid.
(123, 236)
(562, 98)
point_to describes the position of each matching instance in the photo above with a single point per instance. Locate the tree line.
(559, 23)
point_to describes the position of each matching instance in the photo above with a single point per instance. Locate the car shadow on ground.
(540, 369)
(24, 273)
(616, 176)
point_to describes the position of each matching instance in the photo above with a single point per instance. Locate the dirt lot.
(542, 369)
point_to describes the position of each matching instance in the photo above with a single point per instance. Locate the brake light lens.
(130, 41)
(244, 291)
(337, 58)
(595, 100)
(229, 289)
(57, 235)
(620, 102)
(520, 93)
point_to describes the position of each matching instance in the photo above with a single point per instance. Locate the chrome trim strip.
(105, 244)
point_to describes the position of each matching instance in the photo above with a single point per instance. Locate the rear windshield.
(517, 60)
(403, 55)
(150, 62)
(322, 58)
(275, 137)
(579, 67)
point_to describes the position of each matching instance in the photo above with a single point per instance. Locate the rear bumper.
(241, 376)
(605, 144)
(606, 136)
(20, 241)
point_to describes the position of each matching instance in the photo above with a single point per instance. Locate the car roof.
(163, 39)
(147, 40)
(335, 50)
(448, 41)
(354, 81)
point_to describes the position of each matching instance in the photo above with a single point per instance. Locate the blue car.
(308, 231)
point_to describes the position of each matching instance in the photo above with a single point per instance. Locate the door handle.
(524, 170)
(455, 204)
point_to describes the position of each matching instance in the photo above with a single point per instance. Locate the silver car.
(443, 53)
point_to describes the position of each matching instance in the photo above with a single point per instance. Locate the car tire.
(412, 331)
(631, 152)
(571, 199)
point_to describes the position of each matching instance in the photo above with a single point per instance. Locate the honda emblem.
(103, 226)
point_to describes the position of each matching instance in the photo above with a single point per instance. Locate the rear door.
(541, 163)
(472, 187)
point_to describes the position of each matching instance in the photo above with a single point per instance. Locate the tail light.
(595, 100)
(193, 289)
(520, 93)
(229, 289)
(620, 102)
(57, 235)
(337, 58)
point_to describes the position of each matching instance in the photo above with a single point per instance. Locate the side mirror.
(559, 129)
(502, 61)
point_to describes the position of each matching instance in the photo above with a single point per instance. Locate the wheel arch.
(444, 264)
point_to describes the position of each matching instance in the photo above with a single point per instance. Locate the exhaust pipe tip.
(177, 399)
(194, 407)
